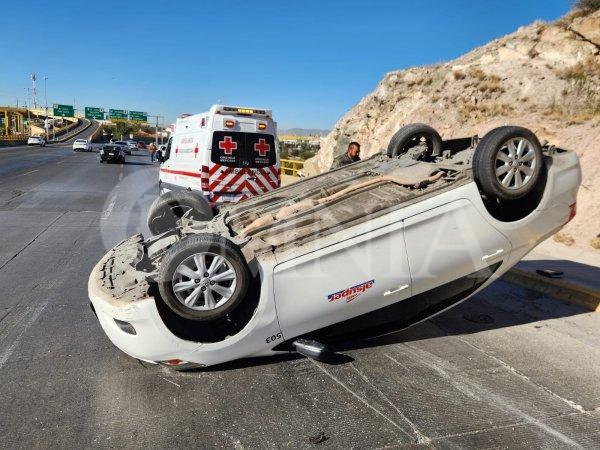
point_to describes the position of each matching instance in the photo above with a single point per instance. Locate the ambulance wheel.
(412, 135)
(171, 206)
(507, 163)
(203, 277)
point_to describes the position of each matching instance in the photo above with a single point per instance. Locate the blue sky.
(310, 61)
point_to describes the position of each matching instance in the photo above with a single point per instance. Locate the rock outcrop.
(543, 76)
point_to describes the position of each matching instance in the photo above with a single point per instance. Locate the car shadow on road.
(135, 163)
(501, 305)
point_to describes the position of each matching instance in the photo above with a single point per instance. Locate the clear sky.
(310, 61)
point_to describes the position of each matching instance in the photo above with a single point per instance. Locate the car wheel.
(507, 162)
(410, 136)
(203, 277)
(168, 208)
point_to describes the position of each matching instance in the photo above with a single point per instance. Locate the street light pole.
(46, 121)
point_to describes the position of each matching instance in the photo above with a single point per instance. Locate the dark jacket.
(342, 160)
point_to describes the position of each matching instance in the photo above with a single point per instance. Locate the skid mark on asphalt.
(172, 382)
(22, 321)
(421, 438)
(466, 384)
(362, 400)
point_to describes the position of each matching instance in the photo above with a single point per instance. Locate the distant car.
(125, 146)
(112, 153)
(82, 145)
(133, 145)
(141, 145)
(36, 140)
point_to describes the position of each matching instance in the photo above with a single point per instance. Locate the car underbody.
(290, 218)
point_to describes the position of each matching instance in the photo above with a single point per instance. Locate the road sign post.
(63, 111)
(137, 116)
(93, 113)
(117, 115)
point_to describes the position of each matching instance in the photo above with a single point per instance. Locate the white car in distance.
(36, 140)
(82, 145)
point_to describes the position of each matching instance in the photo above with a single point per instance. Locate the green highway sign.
(137, 116)
(94, 113)
(64, 111)
(117, 115)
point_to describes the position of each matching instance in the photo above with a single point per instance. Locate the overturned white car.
(359, 251)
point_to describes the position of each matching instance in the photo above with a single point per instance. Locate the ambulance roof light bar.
(240, 110)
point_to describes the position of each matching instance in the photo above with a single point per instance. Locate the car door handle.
(491, 255)
(393, 291)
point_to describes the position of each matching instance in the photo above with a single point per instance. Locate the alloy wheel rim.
(515, 163)
(204, 281)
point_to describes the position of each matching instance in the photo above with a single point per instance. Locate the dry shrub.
(475, 72)
(468, 110)
(581, 96)
(532, 53)
(458, 75)
(589, 67)
(595, 243)
(490, 86)
(564, 238)
(587, 6)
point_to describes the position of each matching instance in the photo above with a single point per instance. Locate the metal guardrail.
(291, 166)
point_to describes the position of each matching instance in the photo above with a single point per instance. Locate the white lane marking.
(6, 354)
(111, 205)
(120, 176)
(31, 171)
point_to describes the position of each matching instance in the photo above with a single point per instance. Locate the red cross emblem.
(262, 147)
(228, 146)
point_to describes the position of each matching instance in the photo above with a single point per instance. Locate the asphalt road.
(508, 368)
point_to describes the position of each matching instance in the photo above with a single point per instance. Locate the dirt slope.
(543, 76)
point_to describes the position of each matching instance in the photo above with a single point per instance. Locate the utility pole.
(46, 94)
(156, 129)
(46, 120)
(33, 90)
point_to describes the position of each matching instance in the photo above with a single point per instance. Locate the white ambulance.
(224, 155)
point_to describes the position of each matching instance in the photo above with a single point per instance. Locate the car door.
(451, 246)
(342, 280)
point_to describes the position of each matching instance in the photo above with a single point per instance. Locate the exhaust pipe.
(313, 349)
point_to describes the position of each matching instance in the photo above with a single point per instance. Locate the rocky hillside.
(545, 76)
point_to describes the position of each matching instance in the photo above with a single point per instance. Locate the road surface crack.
(32, 241)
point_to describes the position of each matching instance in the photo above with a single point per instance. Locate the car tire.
(171, 206)
(410, 135)
(217, 291)
(507, 163)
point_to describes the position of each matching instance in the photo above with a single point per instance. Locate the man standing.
(351, 155)
(152, 150)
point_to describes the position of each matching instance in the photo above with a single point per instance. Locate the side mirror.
(159, 156)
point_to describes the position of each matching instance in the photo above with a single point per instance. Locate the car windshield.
(80, 141)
